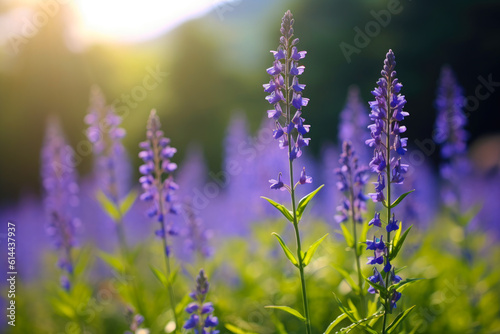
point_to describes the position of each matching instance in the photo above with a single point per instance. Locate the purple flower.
(376, 220)
(277, 184)
(111, 160)
(304, 178)
(60, 195)
(157, 181)
(201, 317)
(388, 147)
(286, 61)
(375, 278)
(393, 224)
(353, 122)
(351, 182)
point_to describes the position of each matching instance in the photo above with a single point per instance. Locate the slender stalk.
(388, 180)
(159, 182)
(357, 255)
(292, 192)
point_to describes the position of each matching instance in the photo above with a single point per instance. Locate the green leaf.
(108, 206)
(364, 234)
(381, 289)
(354, 309)
(347, 235)
(236, 330)
(281, 208)
(312, 249)
(160, 276)
(305, 200)
(399, 319)
(287, 251)
(466, 218)
(113, 261)
(398, 234)
(127, 202)
(290, 310)
(404, 284)
(361, 324)
(397, 245)
(353, 319)
(400, 198)
(347, 277)
(335, 323)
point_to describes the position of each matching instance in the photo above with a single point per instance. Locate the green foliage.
(281, 208)
(398, 200)
(305, 200)
(287, 251)
(290, 310)
(312, 249)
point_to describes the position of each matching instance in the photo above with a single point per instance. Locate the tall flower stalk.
(111, 166)
(61, 198)
(285, 93)
(450, 133)
(105, 134)
(352, 179)
(159, 186)
(388, 145)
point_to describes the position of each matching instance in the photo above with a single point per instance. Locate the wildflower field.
(347, 181)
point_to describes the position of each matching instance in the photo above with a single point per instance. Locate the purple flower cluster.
(201, 318)
(197, 236)
(157, 180)
(353, 122)
(61, 196)
(284, 94)
(386, 114)
(106, 136)
(352, 179)
(450, 121)
(387, 143)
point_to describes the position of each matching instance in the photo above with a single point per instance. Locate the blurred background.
(211, 58)
(201, 64)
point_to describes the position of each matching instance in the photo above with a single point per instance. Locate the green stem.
(292, 192)
(388, 180)
(357, 255)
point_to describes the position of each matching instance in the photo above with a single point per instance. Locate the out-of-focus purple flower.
(352, 179)
(450, 121)
(201, 318)
(196, 234)
(353, 123)
(105, 134)
(157, 180)
(451, 135)
(60, 195)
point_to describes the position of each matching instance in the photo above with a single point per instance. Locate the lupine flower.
(111, 161)
(450, 133)
(201, 318)
(61, 196)
(157, 180)
(285, 68)
(352, 179)
(197, 236)
(353, 122)
(450, 121)
(389, 146)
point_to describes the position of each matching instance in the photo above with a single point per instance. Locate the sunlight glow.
(130, 21)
